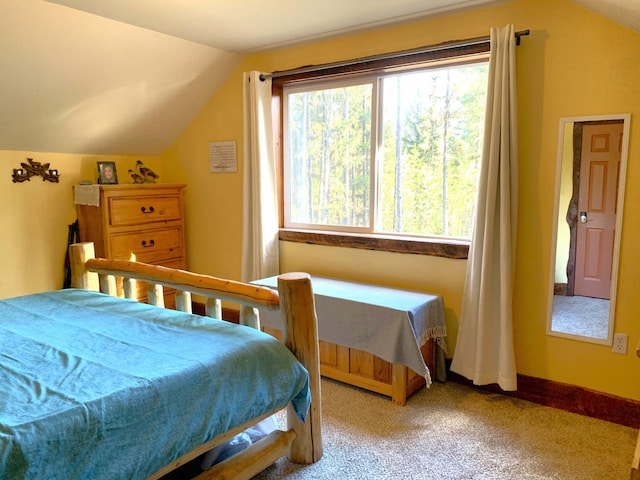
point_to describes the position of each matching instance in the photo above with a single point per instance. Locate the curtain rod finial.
(519, 34)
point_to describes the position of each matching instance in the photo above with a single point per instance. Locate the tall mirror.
(591, 171)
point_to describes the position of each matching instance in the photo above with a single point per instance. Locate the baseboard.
(567, 397)
(560, 289)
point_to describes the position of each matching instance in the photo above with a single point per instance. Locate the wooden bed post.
(301, 337)
(79, 253)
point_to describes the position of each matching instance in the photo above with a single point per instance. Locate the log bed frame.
(302, 442)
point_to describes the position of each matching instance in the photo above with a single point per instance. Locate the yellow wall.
(573, 63)
(36, 214)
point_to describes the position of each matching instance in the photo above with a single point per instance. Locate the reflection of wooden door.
(600, 162)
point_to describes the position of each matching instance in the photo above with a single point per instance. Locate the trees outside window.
(396, 153)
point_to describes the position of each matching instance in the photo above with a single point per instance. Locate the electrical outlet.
(620, 341)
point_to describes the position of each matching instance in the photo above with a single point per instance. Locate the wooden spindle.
(155, 295)
(213, 308)
(250, 317)
(108, 285)
(183, 301)
(129, 287)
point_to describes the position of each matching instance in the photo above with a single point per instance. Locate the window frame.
(437, 246)
(286, 194)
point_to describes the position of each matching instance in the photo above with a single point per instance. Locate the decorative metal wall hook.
(34, 168)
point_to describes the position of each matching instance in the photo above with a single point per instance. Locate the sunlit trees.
(427, 143)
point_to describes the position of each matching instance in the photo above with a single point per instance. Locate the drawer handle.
(150, 244)
(145, 210)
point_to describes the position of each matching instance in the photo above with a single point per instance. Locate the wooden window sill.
(416, 246)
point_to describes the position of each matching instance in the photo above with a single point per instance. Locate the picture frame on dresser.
(107, 173)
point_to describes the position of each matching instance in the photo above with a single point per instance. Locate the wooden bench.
(365, 370)
(378, 338)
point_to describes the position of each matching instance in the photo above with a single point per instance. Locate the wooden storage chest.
(365, 370)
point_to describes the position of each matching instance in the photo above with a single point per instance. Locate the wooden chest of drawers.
(137, 222)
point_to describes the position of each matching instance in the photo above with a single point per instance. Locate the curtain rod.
(386, 56)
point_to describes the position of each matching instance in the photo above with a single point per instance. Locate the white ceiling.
(250, 25)
(127, 76)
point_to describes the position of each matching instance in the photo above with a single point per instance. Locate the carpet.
(454, 432)
(584, 316)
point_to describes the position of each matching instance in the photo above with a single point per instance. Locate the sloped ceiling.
(73, 82)
(127, 76)
(249, 25)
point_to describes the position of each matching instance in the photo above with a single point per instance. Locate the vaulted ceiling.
(127, 76)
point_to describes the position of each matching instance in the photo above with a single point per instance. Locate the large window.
(389, 153)
(394, 153)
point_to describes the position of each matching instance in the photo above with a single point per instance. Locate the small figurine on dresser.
(147, 175)
(136, 177)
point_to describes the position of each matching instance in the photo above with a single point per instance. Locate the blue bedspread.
(95, 387)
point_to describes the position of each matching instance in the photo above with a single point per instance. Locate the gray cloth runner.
(387, 322)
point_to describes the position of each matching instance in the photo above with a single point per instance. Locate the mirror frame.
(622, 173)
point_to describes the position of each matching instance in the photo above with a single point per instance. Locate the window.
(393, 152)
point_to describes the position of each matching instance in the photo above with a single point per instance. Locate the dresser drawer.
(143, 209)
(149, 246)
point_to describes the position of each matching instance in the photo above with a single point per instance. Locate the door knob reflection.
(583, 217)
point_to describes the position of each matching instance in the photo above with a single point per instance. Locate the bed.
(96, 386)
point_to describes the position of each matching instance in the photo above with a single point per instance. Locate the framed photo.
(107, 173)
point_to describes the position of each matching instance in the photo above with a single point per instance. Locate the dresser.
(135, 222)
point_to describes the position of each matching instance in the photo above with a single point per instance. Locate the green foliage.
(432, 127)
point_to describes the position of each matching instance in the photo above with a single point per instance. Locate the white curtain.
(484, 348)
(260, 256)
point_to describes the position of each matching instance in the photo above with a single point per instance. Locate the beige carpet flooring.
(581, 316)
(455, 432)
